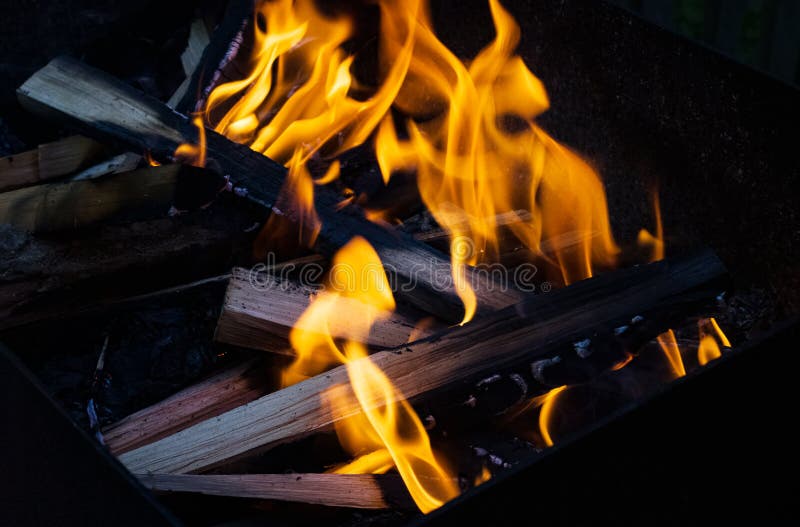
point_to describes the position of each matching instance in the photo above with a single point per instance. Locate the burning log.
(359, 491)
(101, 105)
(204, 400)
(219, 49)
(540, 328)
(259, 312)
(48, 161)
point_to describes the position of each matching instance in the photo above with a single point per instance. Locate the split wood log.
(57, 206)
(260, 311)
(191, 58)
(359, 491)
(98, 104)
(120, 163)
(53, 275)
(221, 48)
(538, 329)
(204, 400)
(48, 161)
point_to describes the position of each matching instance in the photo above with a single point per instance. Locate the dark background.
(760, 33)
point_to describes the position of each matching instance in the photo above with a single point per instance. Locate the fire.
(468, 130)
(194, 154)
(708, 349)
(669, 345)
(654, 243)
(546, 403)
(471, 166)
(388, 433)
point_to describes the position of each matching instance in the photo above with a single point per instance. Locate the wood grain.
(540, 328)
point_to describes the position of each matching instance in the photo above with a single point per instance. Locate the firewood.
(48, 161)
(98, 104)
(117, 164)
(542, 328)
(57, 206)
(57, 274)
(209, 398)
(191, 58)
(359, 491)
(221, 47)
(261, 316)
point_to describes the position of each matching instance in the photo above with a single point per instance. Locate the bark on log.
(98, 104)
(538, 329)
(358, 491)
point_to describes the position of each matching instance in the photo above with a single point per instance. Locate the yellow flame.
(471, 164)
(708, 349)
(388, 433)
(470, 167)
(669, 345)
(483, 477)
(647, 240)
(194, 154)
(720, 335)
(547, 402)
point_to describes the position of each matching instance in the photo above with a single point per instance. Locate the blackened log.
(101, 105)
(534, 330)
(222, 47)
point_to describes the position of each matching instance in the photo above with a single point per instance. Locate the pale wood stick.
(48, 161)
(56, 206)
(538, 329)
(213, 396)
(259, 312)
(358, 491)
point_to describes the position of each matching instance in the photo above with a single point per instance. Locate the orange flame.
(471, 165)
(194, 154)
(547, 402)
(669, 345)
(708, 349)
(388, 430)
(647, 240)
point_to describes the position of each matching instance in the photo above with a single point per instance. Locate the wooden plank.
(359, 491)
(259, 312)
(540, 328)
(48, 161)
(58, 206)
(213, 396)
(99, 104)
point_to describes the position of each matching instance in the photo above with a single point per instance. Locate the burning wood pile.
(423, 270)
